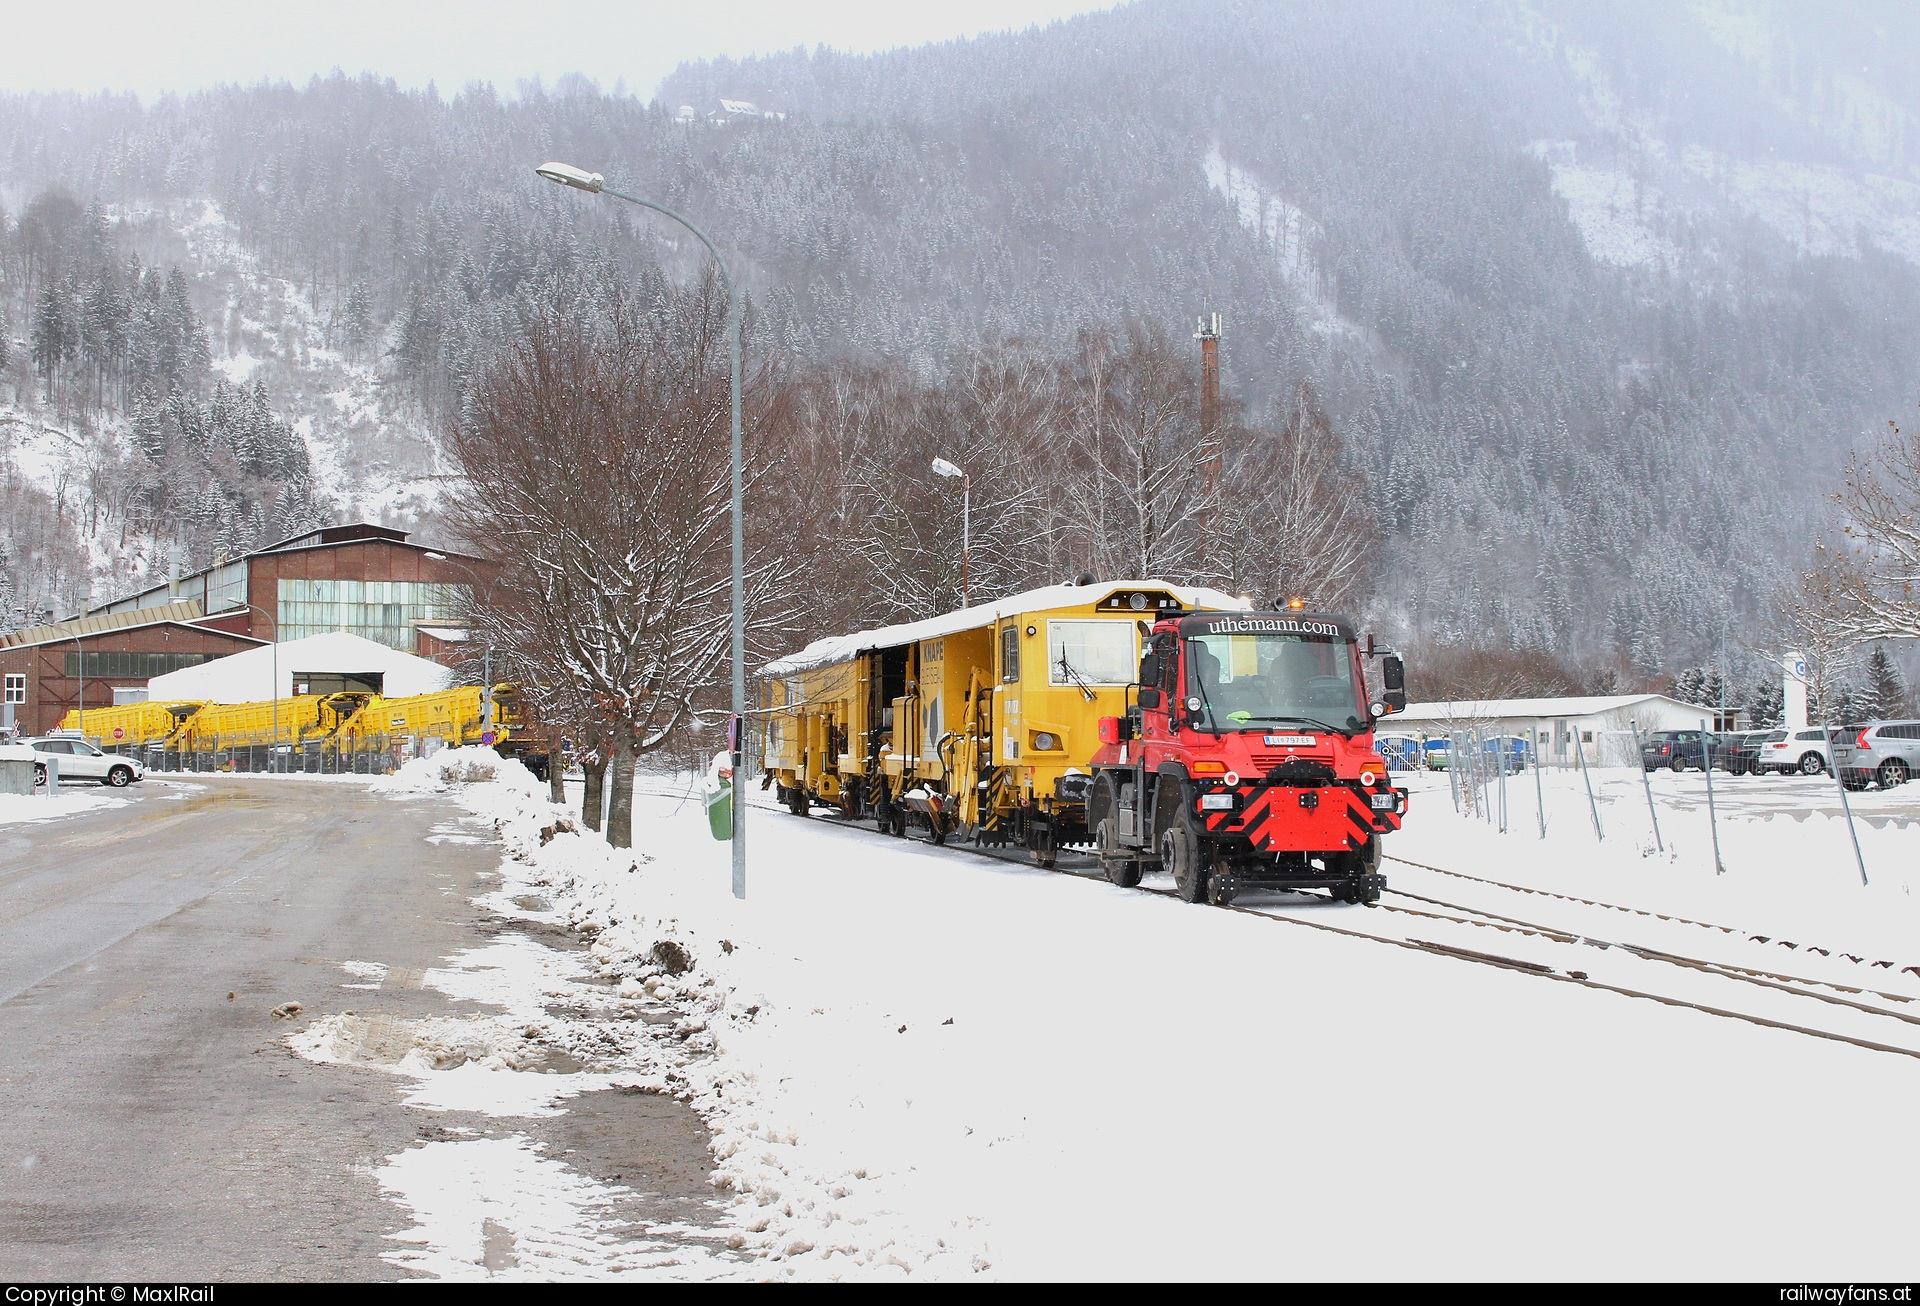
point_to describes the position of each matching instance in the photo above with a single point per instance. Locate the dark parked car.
(1739, 753)
(1676, 750)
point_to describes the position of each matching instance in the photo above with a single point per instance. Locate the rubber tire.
(120, 777)
(1122, 872)
(1893, 772)
(1811, 765)
(1180, 855)
(1677, 765)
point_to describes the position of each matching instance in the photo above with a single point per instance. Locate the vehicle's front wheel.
(120, 777)
(1810, 764)
(1120, 869)
(1893, 772)
(1180, 855)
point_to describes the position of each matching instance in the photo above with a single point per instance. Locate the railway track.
(1852, 958)
(1863, 1017)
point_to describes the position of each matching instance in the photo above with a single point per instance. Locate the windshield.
(1274, 679)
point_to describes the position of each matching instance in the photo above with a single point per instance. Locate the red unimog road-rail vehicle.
(1247, 759)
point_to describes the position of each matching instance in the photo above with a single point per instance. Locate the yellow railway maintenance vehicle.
(456, 716)
(981, 722)
(130, 725)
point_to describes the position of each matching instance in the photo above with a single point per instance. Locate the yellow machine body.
(139, 724)
(979, 722)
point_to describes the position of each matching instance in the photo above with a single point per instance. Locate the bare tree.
(595, 478)
(1822, 616)
(1133, 471)
(1293, 517)
(1874, 581)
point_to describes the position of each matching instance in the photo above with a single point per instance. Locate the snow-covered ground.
(919, 1062)
(18, 808)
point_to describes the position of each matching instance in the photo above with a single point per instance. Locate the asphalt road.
(153, 1124)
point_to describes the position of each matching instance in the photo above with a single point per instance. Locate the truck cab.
(1247, 759)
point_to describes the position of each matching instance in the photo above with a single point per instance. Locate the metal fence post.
(1647, 785)
(1713, 822)
(1503, 784)
(1593, 808)
(1846, 809)
(1539, 795)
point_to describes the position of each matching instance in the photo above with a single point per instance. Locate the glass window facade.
(384, 611)
(114, 664)
(226, 588)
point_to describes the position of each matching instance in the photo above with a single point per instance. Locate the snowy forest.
(1549, 329)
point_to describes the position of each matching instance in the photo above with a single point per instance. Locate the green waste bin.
(720, 810)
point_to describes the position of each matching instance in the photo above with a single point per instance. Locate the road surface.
(153, 1123)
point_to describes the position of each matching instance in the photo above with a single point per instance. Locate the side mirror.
(1393, 680)
(1150, 669)
(1149, 697)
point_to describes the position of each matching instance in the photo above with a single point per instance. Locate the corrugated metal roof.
(102, 623)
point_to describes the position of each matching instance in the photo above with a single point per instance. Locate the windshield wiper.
(1078, 679)
(1305, 721)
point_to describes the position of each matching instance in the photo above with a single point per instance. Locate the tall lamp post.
(947, 469)
(595, 184)
(273, 628)
(80, 699)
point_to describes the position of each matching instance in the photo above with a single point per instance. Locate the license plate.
(1383, 802)
(1290, 741)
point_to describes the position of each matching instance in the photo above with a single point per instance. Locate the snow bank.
(19, 808)
(920, 1063)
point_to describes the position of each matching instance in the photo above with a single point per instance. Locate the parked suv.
(1804, 751)
(1676, 750)
(1739, 754)
(1887, 751)
(79, 760)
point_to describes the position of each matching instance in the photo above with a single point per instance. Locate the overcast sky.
(154, 46)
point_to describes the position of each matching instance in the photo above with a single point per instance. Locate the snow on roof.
(1489, 708)
(842, 648)
(248, 677)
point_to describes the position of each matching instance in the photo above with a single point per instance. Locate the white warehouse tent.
(318, 664)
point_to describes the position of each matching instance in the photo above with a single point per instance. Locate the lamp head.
(568, 175)
(945, 468)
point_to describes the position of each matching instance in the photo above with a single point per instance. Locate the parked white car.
(1804, 751)
(79, 760)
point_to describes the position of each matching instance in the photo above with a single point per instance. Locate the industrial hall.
(360, 578)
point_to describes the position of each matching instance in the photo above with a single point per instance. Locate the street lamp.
(274, 628)
(80, 700)
(947, 469)
(593, 183)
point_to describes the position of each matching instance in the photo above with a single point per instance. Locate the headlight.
(1046, 742)
(1383, 802)
(1216, 802)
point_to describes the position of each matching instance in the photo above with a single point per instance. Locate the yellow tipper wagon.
(131, 725)
(978, 722)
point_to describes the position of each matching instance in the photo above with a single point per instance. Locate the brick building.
(46, 669)
(364, 579)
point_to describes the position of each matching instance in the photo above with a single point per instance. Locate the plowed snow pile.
(917, 1062)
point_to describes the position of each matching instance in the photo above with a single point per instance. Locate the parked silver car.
(79, 760)
(1886, 751)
